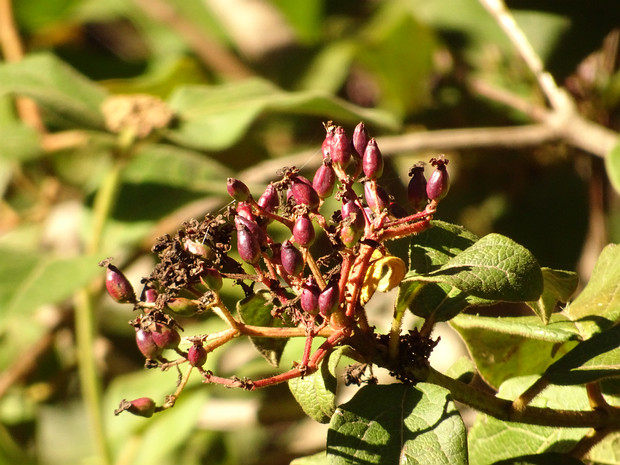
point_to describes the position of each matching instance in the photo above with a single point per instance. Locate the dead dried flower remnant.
(140, 113)
(308, 295)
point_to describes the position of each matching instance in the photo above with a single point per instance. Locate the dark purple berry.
(340, 148)
(377, 199)
(310, 297)
(197, 355)
(360, 139)
(327, 142)
(165, 337)
(244, 210)
(303, 193)
(416, 190)
(372, 161)
(351, 209)
(237, 189)
(146, 344)
(439, 183)
(142, 407)
(118, 286)
(329, 299)
(150, 295)
(324, 180)
(270, 200)
(248, 245)
(291, 258)
(303, 231)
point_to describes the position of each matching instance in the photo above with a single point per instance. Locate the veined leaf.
(559, 286)
(256, 310)
(598, 305)
(492, 440)
(215, 117)
(396, 424)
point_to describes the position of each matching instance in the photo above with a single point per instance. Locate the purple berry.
(416, 190)
(340, 148)
(303, 193)
(146, 344)
(270, 200)
(197, 355)
(439, 183)
(376, 199)
(291, 258)
(310, 297)
(329, 299)
(165, 337)
(142, 407)
(248, 244)
(237, 189)
(118, 286)
(360, 139)
(303, 231)
(324, 180)
(372, 161)
(350, 208)
(150, 295)
(327, 142)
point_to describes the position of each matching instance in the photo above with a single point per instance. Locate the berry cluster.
(313, 296)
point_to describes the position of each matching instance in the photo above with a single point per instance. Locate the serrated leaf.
(503, 348)
(612, 166)
(591, 360)
(29, 281)
(598, 305)
(432, 248)
(215, 117)
(316, 393)
(256, 310)
(559, 286)
(61, 91)
(396, 424)
(492, 440)
(494, 268)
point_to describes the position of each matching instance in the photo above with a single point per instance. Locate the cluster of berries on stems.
(313, 296)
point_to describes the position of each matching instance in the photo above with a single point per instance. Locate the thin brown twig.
(12, 51)
(208, 50)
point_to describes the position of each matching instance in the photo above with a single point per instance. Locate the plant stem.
(503, 410)
(85, 325)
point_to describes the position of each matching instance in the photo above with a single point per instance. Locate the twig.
(12, 51)
(208, 50)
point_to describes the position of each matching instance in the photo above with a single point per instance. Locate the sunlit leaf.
(395, 424)
(559, 286)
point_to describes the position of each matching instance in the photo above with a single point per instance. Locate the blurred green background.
(250, 84)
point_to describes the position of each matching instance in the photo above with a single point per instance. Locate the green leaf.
(256, 310)
(442, 301)
(503, 348)
(612, 165)
(550, 458)
(607, 451)
(492, 440)
(494, 268)
(559, 286)
(395, 424)
(432, 248)
(19, 142)
(560, 329)
(216, 117)
(29, 281)
(316, 393)
(591, 360)
(598, 305)
(176, 167)
(320, 458)
(64, 94)
(462, 370)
